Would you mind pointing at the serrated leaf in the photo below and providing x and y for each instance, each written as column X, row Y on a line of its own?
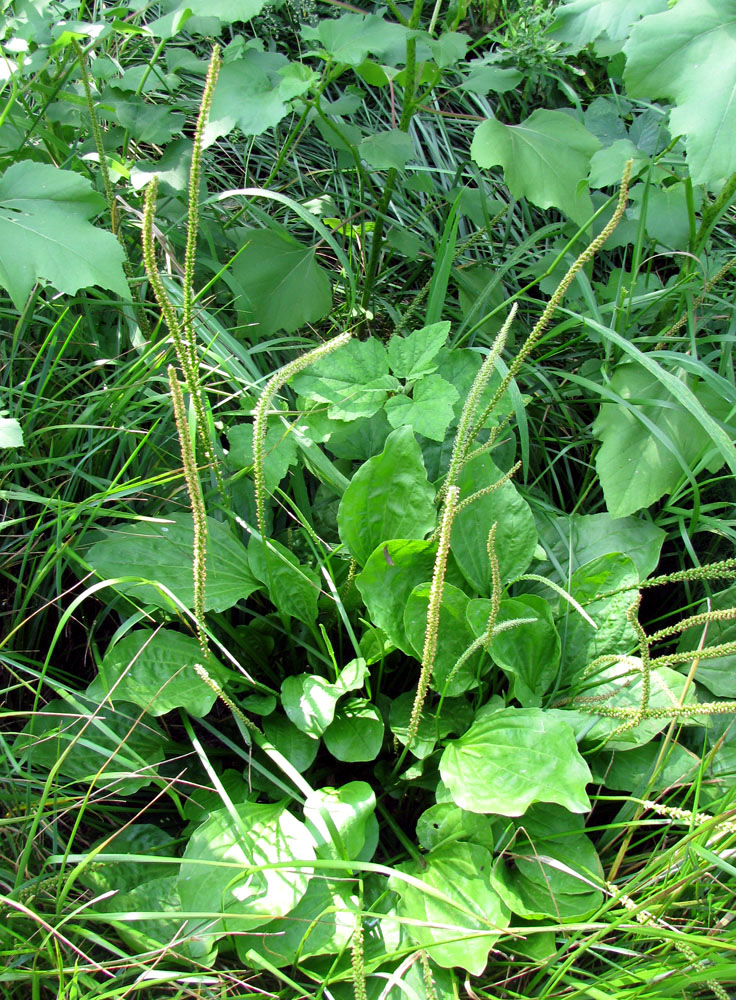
column 354, row 380
column 45, row 233
column 413, row 356
column 285, row 286
column 666, row 57
column 388, row 497
column 384, row 150
column 155, row 670
column 249, row 95
column 545, row 159
column 162, row 551
column 607, row 165
column 149, row 123
column 515, row 757
column 429, row 412
column 483, row 78
column 461, row 921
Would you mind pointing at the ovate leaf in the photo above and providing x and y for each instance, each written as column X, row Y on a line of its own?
column 283, row 285
column 516, row 535
column 459, row 922
column 155, row 670
column 162, row 551
column 356, row 732
column 309, row 701
column 292, row 587
column 216, row 875
column 544, row 159
column 45, row 233
column 388, row 497
column 390, row 574
column 650, row 441
column 509, row 759
column 339, row 819
column 676, row 55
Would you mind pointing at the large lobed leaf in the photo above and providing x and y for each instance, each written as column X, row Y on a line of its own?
column 687, row 55
column 45, row 233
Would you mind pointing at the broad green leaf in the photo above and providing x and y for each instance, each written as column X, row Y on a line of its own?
column 544, row 159
column 249, row 95
column 607, row 165
column 162, row 551
column 354, row 380
column 216, row 875
column 392, row 571
column 384, row 150
column 298, row 748
column 608, row 23
column 638, row 770
column 148, row 123
column 351, row 38
column 280, row 448
column 283, row 286
column 444, row 823
column 430, row 410
column 46, row 233
column 548, row 868
column 650, row 441
column 322, row 923
column 141, row 839
column 516, row 535
column 292, row 587
column 356, row 732
column 172, row 169
column 310, row 702
column 226, row 10
column 575, row 539
column 449, row 48
column 350, row 810
column 483, row 78
column 619, row 686
column 459, row 923
column 110, row 747
column 204, row 801
column 676, row 55
column 453, row 639
column 515, row 757
column 155, row 670
column 413, row 356
column 528, row 653
column 718, row 674
column 388, row 497
column 667, row 217
column 11, row 435
column 613, row 635
column 357, row 440
column 399, row 717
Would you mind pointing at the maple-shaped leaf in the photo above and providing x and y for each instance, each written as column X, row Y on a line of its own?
column 45, row 233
